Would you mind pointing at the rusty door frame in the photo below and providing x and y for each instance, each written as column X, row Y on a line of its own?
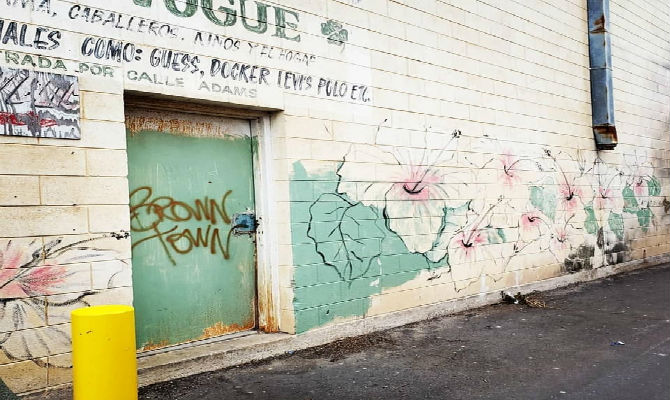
column 267, row 244
column 267, row 249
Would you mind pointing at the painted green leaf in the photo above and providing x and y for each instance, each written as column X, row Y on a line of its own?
column 644, row 216
column 346, row 234
column 654, row 186
column 495, row 235
column 591, row 223
column 501, row 234
column 615, row 222
column 630, row 204
column 544, row 200
column 335, row 32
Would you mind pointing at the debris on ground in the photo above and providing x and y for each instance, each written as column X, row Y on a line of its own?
column 532, row 299
column 617, row 343
column 341, row 348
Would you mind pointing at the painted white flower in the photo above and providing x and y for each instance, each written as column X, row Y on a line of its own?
column 639, row 173
column 33, row 282
column 412, row 188
column 607, row 190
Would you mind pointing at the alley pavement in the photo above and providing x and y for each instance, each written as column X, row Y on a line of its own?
column 608, row 339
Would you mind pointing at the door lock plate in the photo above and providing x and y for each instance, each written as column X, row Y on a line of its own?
column 244, row 223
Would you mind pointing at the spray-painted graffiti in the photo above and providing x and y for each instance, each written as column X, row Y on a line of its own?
column 466, row 212
column 39, row 280
column 38, row 104
column 159, row 218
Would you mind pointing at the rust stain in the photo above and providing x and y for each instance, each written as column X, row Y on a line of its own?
column 599, row 25
column 153, row 346
column 220, row 329
column 606, row 136
column 267, row 321
column 191, row 125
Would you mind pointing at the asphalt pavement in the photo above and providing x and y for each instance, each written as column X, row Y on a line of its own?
column 607, row 339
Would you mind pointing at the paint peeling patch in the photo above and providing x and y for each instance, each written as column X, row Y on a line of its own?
column 220, row 329
column 579, row 259
column 153, row 346
column 190, row 125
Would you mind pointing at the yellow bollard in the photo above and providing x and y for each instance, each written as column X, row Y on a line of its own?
column 104, row 364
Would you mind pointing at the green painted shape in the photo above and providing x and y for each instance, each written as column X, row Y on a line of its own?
column 654, row 186
column 375, row 257
column 348, row 234
column 495, row 235
column 615, row 222
column 591, row 223
column 501, row 234
column 177, row 296
column 544, row 200
column 644, row 217
column 189, row 8
column 630, row 204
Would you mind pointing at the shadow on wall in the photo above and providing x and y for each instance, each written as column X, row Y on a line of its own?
column 463, row 208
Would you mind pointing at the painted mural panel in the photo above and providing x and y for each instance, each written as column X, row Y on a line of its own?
column 41, row 282
column 39, row 104
column 189, row 176
column 468, row 212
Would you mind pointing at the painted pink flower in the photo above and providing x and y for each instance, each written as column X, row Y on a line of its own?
column 17, row 282
column 412, row 188
column 603, row 198
column 464, row 246
column 559, row 240
column 530, row 220
column 417, row 184
column 640, row 187
column 29, row 282
column 509, row 174
column 570, row 196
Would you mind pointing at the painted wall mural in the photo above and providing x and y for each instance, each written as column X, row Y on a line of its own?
column 38, row 104
column 467, row 209
column 40, row 285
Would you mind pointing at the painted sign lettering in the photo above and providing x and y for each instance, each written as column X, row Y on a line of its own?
column 256, row 22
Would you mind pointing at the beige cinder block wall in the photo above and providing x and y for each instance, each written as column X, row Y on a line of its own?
column 422, row 151
column 487, row 106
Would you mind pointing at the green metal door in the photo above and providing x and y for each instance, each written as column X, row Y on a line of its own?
column 191, row 183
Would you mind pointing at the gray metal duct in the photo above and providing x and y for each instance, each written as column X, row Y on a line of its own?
column 600, row 64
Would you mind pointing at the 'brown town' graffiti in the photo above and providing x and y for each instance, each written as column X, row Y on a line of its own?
column 162, row 217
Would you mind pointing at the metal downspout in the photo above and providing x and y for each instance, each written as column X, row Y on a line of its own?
column 600, row 65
